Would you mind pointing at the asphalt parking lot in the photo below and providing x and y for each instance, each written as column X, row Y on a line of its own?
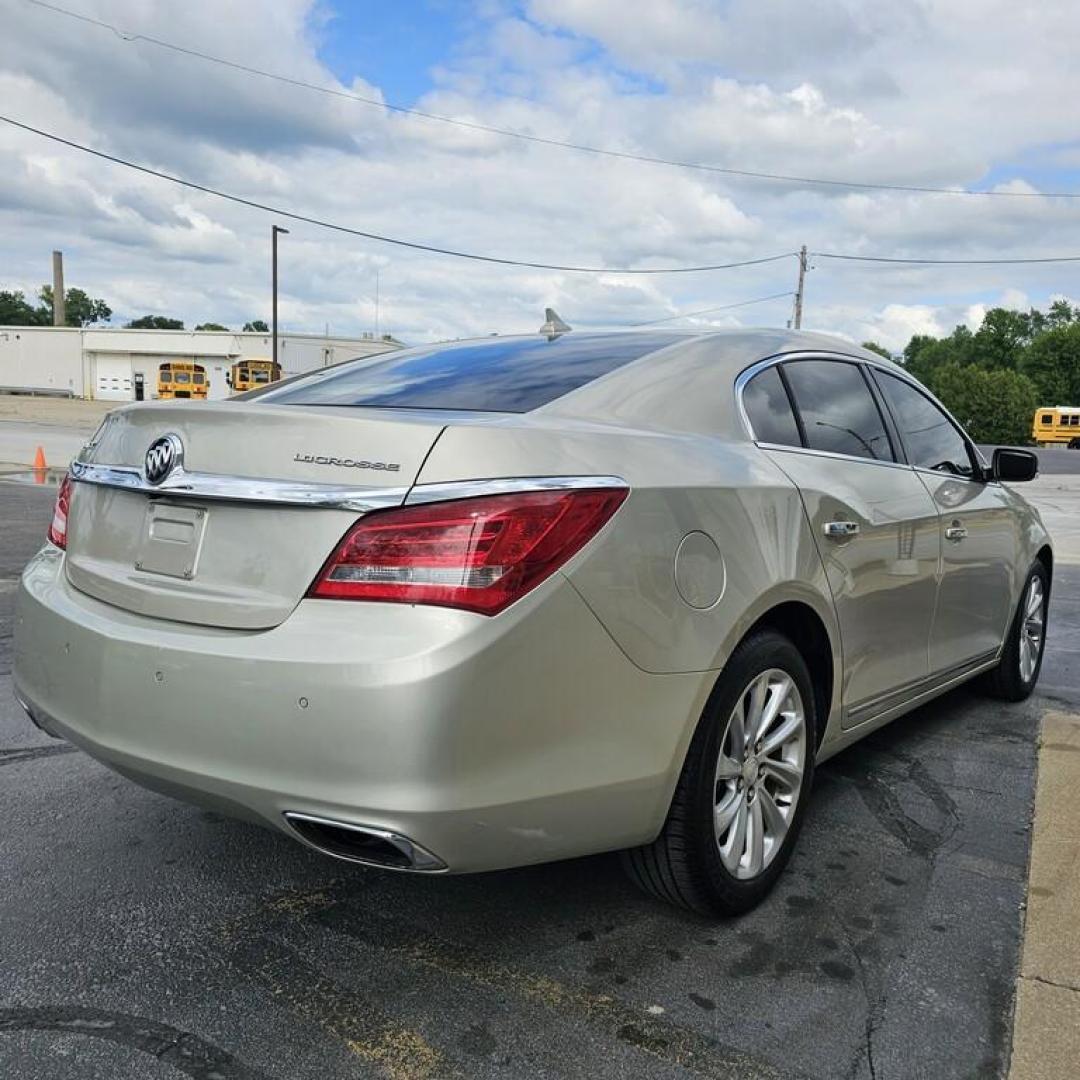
column 142, row 938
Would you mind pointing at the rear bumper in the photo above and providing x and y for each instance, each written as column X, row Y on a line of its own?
column 489, row 742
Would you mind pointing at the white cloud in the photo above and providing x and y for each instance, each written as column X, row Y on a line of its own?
column 919, row 91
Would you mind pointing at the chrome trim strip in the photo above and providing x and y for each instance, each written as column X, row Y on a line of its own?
column 420, row 858
column 839, row 457
column 241, row 488
column 758, row 366
column 38, row 717
column 899, row 373
column 468, row 489
column 913, row 692
column 941, row 474
column 813, row 354
column 302, row 493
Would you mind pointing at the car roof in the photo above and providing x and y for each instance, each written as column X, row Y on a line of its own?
column 688, row 384
column 669, row 379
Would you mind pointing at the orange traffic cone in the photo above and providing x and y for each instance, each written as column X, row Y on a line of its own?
column 40, row 468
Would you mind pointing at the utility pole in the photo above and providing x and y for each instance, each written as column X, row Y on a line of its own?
column 59, row 315
column 799, row 290
column 376, row 303
column 274, row 230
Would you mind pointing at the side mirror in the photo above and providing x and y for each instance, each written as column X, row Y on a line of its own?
column 1013, row 466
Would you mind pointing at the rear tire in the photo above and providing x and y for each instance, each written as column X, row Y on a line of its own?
column 1021, row 659
column 741, row 798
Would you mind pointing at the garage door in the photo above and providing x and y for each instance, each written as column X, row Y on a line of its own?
column 112, row 377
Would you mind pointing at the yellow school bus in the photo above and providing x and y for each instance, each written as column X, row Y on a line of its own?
column 182, row 379
column 247, row 374
column 1057, row 425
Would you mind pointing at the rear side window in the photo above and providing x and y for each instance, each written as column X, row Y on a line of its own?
column 931, row 439
column 1048, row 418
column 501, row 375
column 838, row 410
column 769, row 410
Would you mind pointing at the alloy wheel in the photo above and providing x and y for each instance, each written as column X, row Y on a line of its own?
column 1032, row 628
column 759, row 773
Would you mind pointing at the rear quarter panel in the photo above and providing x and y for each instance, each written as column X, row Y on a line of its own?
column 679, row 485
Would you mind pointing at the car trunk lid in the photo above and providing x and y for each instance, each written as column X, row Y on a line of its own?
column 235, row 535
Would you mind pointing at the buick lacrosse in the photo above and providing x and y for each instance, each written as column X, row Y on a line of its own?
column 491, row 603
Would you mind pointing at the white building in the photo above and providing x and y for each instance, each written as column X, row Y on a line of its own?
column 121, row 365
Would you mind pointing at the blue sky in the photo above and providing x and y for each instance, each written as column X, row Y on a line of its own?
column 916, row 92
column 395, row 46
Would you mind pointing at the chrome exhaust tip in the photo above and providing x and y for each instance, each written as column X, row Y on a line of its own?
column 362, row 843
column 39, row 719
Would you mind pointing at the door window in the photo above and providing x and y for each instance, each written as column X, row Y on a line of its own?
column 838, row 410
column 768, row 409
column 931, row 439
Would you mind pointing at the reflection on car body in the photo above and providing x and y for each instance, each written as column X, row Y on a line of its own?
column 616, row 591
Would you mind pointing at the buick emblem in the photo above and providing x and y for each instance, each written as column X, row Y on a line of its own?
column 164, row 457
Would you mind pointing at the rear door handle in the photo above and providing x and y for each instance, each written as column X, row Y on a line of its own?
column 955, row 532
column 840, row 530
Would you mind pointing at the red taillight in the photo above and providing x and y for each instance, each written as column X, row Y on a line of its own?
column 479, row 554
column 57, row 533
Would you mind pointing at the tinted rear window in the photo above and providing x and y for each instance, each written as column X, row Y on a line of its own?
column 838, row 411
column 769, row 411
column 501, row 375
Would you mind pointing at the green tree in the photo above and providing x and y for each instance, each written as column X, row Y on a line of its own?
column 257, row 326
column 1001, row 338
column 1060, row 314
column 16, row 310
column 79, row 309
column 211, row 326
column 924, row 353
column 1052, row 362
column 155, row 322
column 873, row 346
column 994, row 406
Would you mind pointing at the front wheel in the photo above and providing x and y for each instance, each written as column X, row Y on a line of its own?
column 1021, row 659
column 742, row 794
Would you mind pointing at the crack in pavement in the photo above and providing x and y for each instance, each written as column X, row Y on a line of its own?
column 187, row 1053
column 30, row 753
column 1051, row 982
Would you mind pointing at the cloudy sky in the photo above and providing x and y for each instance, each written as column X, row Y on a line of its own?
column 949, row 93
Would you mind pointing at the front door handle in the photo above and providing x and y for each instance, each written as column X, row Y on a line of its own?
column 955, row 532
column 841, row 530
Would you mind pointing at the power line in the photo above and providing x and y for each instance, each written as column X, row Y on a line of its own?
column 944, row 262
column 562, row 144
column 417, row 246
column 710, row 311
column 414, row 245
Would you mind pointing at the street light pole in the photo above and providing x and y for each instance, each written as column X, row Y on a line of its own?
column 274, row 230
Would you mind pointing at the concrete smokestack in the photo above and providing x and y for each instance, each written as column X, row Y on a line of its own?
column 58, row 289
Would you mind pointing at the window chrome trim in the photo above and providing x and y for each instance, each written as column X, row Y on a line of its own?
column 837, row 457
column 901, row 375
column 470, row 489
column 941, row 474
column 759, row 366
column 300, row 493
